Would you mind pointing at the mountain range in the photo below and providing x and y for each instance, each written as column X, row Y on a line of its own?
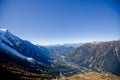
column 56, row 60
column 101, row 57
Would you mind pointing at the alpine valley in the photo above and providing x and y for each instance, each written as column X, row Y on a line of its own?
column 22, row 60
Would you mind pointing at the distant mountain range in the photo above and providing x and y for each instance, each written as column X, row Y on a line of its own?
column 68, row 59
column 61, row 49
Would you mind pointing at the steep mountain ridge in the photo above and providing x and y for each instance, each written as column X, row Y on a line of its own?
column 25, row 48
column 101, row 57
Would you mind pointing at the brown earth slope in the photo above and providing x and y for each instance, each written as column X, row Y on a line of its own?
column 92, row 76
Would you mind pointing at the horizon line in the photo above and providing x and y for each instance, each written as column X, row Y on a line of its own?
column 65, row 43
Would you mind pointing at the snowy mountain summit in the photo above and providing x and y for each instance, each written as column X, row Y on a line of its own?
column 3, row 30
column 5, row 35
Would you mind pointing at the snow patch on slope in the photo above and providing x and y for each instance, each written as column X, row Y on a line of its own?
column 30, row 60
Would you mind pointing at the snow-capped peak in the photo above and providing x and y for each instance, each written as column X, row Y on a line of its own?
column 3, row 36
column 3, row 30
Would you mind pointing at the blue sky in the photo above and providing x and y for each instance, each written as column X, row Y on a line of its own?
column 61, row 21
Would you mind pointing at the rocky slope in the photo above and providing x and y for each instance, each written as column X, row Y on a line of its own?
column 101, row 57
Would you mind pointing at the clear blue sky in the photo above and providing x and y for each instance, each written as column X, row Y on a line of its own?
column 61, row 21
